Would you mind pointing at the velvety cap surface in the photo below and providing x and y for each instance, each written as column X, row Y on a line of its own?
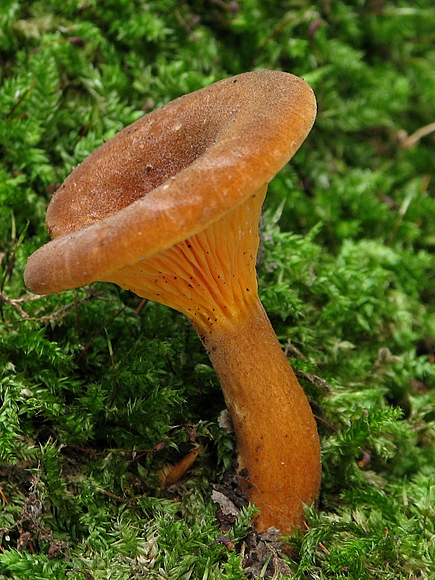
column 169, row 175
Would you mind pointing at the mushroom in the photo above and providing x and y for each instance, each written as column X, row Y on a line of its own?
column 169, row 209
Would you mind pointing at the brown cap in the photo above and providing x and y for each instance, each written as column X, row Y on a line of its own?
column 169, row 175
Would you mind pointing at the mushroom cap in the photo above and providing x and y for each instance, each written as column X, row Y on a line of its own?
column 169, row 175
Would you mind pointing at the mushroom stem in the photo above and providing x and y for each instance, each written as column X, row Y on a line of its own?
column 277, row 440
column 210, row 277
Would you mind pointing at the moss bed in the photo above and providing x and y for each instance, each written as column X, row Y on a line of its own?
column 100, row 392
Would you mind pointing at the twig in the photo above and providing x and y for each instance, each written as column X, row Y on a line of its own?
column 290, row 347
column 58, row 313
column 113, row 496
column 15, row 304
column 21, row 99
column 409, row 141
column 4, row 498
column 314, row 380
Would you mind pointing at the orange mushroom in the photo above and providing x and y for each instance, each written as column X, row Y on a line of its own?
column 169, row 208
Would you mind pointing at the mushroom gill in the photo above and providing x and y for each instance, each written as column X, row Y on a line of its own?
column 210, row 277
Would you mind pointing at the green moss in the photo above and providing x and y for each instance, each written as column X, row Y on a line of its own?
column 99, row 391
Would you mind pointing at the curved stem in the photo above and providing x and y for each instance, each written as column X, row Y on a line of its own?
column 210, row 277
column 277, row 440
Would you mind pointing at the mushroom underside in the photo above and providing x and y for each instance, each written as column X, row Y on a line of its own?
column 210, row 277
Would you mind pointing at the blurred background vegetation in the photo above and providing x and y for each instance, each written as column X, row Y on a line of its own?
column 98, row 390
